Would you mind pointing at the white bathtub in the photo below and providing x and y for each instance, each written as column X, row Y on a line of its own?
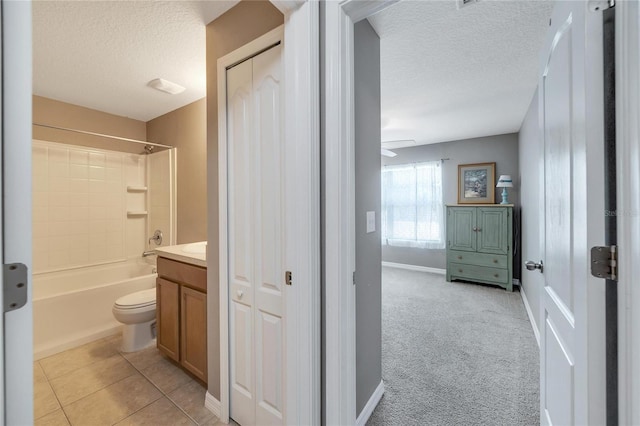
column 71, row 308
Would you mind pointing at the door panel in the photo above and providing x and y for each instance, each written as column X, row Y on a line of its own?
column 492, row 230
column 460, row 231
column 571, row 116
column 269, row 298
column 241, row 207
column 193, row 320
column 168, row 318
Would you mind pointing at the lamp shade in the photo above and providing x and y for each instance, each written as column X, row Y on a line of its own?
column 505, row 182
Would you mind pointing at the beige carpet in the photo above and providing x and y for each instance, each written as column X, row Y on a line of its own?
column 455, row 354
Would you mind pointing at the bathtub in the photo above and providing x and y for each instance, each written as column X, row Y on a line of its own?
column 73, row 307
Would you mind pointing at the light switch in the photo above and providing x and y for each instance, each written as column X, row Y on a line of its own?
column 371, row 222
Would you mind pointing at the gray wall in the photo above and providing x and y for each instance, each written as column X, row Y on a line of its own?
column 367, row 181
column 501, row 149
column 529, row 142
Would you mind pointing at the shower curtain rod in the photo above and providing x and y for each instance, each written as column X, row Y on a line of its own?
column 84, row 132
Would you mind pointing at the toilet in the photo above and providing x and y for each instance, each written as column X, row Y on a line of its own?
column 137, row 311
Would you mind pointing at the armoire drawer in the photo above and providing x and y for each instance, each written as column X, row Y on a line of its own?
column 481, row 273
column 479, row 259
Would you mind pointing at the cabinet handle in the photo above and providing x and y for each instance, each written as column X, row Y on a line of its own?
column 240, row 294
column 474, row 229
column 460, row 257
column 496, row 275
column 495, row 260
column 479, row 229
column 460, row 270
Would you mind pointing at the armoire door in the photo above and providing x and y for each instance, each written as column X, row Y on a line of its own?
column 492, row 230
column 256, row 239
column 461, row 223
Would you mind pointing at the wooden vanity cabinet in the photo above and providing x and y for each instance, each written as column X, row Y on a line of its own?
column 181, row 314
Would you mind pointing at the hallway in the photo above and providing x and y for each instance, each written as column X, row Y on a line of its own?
column 455, row 353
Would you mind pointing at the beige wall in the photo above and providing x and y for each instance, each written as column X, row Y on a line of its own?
column 243, row 23
column 186, row 129
column 62, row 114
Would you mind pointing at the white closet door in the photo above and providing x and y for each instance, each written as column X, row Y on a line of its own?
column 269, row 303
column 256, row 240
column 241, row 155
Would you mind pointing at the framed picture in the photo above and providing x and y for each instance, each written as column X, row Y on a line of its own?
column 476, row 183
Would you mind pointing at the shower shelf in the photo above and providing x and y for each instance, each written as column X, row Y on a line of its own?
column 136, row 189
column 137, row 213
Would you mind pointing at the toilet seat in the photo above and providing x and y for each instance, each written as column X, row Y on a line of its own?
column 137, row 300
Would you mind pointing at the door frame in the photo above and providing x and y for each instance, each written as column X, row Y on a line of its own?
column 627, row 39
column 301, row 55
column 339, row 241
column 339, row 206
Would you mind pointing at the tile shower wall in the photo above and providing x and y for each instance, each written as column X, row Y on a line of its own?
column 80, row 206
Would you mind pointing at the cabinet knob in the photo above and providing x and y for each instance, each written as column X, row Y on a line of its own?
column 496, row 275
column 495, row 260
column 240, row 294
column 474, row 229
column 460, row 270
column 460, row 257
column 479, row 229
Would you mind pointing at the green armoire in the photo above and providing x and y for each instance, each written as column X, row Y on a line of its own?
column 480, row 244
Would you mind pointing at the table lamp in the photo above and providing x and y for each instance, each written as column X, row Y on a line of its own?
column 504, row 182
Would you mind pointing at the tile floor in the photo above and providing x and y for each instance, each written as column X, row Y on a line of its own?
column 96, row 384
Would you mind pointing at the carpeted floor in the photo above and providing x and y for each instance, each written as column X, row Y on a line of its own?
column 455, row 354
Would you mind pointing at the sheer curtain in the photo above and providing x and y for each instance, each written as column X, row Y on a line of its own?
column 412, row 210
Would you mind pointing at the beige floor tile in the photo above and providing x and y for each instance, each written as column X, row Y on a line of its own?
column 190, row 398
column 166, row 376
column 38, row 374
column 160, row 413
column 144, row 358
column 44, row 400
column 113, row 403
column 73, row 359
column 86, row 380
column 57, row 418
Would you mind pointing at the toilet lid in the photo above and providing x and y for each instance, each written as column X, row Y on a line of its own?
column 138, row 299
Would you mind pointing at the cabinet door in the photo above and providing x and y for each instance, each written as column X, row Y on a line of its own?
column 168, row 317
column 461, row 222
column 493, row 232
column 193, row 321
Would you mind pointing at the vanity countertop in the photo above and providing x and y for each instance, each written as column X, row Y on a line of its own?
column 192, row 253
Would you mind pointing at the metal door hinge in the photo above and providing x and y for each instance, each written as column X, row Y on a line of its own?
column 354, row 278
column 14, row 280
column 604, row 262
column 288, row 276
column 598, row 5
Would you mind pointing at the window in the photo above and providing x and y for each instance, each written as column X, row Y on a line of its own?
column 412, row 211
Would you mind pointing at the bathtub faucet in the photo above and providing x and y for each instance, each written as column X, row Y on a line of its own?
column 148, row 253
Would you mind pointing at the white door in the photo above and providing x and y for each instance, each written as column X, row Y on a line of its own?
column 256, row 239
column 15, row 230
column 572, row 341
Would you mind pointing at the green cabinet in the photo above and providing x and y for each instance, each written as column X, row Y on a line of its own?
column 480, row 244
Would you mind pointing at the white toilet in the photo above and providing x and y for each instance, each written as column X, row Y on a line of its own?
column 137, row 311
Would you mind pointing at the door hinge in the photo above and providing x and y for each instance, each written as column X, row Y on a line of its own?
column 288, row 277
column 14, row 281
column 354, row 277
column 598, row 5
column 604, row 262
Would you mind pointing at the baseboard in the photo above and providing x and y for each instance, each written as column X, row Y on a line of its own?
column 532, row 319
column 371, row 405
column 415, row 268
column 212, row 404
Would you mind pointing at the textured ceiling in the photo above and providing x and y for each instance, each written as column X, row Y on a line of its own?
column 102, row 54
column 450, row 74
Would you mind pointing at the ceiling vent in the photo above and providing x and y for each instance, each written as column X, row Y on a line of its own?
column 398, row 144
column 462, row 3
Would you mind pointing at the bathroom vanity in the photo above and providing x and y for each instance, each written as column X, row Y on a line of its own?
column 181, row 306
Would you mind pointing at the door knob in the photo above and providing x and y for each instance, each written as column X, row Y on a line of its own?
column 532, row 266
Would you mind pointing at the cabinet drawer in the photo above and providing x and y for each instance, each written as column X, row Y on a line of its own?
column 189, row 275
column 479, row 259
column 481, row 273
